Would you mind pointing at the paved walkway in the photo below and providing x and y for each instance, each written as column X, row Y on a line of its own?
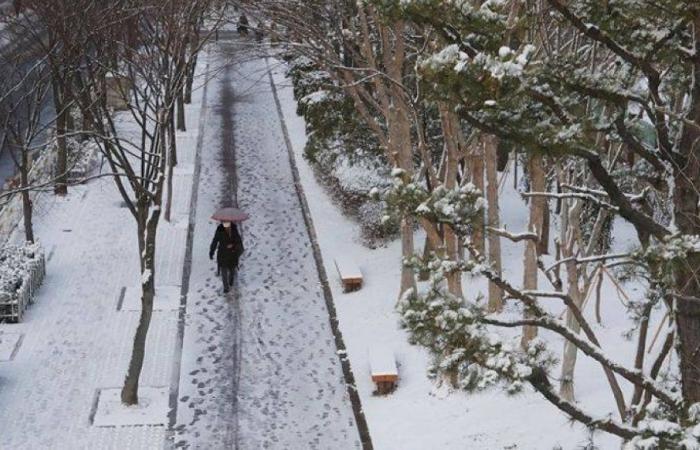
column 260, row 369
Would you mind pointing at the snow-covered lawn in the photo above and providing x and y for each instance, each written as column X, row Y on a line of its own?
column 75, row 342
column 421, row 414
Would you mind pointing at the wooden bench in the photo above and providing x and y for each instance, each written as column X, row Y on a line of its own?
column 383, row 369
column 350, row 275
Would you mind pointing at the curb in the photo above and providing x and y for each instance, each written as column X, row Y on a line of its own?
column 360, row 419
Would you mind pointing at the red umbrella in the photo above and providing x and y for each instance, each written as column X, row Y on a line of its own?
column 230, row 214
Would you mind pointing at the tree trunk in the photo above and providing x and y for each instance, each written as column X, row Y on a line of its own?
column 454, row 278
column 502, row 158
column 86, row 125
column 687, row 278
column 181, row 112
column 476, row 164
column 61, row 186
column 686, row 210
column 408, row 279
column 641, row 350
column 189, row 80
column 70, row 121
column 450, row 130
column 543, row 243
column 169, row 198
column 147, row 223
column 536, row 174
column 399, row 128
column 568, row 361
column 566, row 384
column 494, row 240
column 172, row 162
column 129, row 394
column 26, row 199
column 688, row 324
column 401, row 133
column 424, row 274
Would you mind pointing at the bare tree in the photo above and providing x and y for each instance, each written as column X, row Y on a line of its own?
column 40, row 28
column 144, row 60
column 25, row 89
column 490, row 143
column 536, row 177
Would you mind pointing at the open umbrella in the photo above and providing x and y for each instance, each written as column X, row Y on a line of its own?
column 230, row 214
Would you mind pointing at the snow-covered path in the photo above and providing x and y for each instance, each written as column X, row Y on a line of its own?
column 260, row 368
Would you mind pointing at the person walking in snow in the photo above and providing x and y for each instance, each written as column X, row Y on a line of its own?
column 228, row 245
column 242, row 25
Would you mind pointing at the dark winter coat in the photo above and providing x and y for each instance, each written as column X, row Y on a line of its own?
column 229, row 245
column 242, row 24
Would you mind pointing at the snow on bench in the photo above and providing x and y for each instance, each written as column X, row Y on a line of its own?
column 350, row 274
column 382, row 365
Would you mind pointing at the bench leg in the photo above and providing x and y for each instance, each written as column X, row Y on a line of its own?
column 351, row 287
column 385, row 387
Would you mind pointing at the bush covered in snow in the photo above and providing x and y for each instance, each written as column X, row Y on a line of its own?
column 22, row 270
column 341, row 148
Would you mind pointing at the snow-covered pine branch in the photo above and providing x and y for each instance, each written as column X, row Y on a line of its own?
column 515, row 237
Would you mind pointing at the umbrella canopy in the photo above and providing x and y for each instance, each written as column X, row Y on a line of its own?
column 230, row 214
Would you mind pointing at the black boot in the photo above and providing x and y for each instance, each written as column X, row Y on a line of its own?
column 225, row 278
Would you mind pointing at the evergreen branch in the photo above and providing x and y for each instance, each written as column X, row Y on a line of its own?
column 544, row 320
column 514, row 237
column 645, row 225
column 539, row 381
column 587, row 259
column 579, row 195
column 634, row 198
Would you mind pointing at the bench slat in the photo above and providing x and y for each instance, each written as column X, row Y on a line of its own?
column 382, row 363
column 348, row 270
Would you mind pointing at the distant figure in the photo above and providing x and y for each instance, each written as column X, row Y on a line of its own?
column 274, row 38
column 243, row 24
column 17, row 4
column 230, row 247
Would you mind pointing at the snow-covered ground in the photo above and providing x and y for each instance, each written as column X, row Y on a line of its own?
column 77, row 336
column 258, row 368
column 420, row 414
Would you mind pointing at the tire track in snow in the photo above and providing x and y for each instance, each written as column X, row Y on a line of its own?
column 229, row 195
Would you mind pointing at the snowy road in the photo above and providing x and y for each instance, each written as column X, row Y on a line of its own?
column 260, row 368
